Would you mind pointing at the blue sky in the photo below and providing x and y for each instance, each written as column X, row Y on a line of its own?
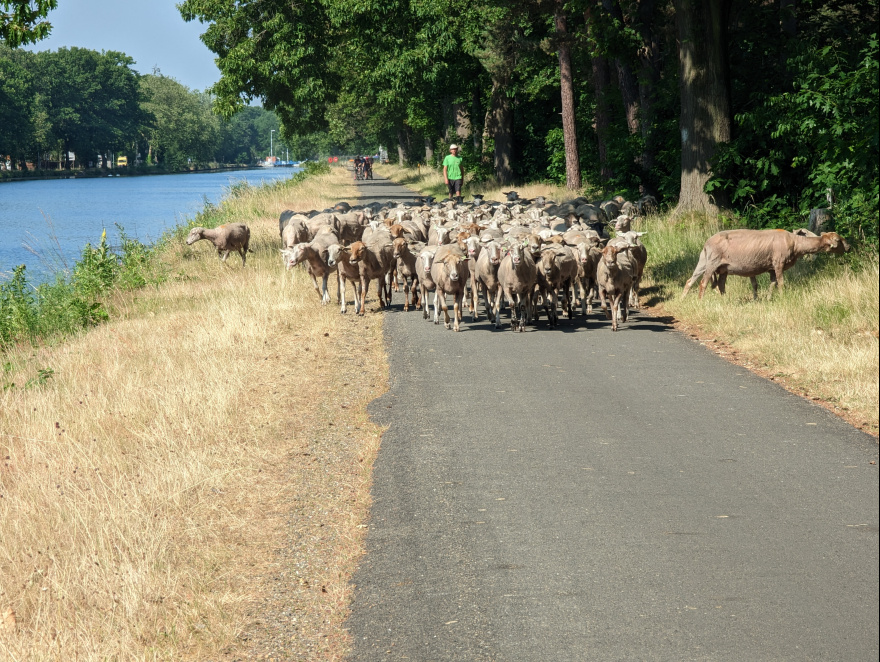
column 149, row 31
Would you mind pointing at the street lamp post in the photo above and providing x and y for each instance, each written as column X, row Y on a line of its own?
column 271, row 144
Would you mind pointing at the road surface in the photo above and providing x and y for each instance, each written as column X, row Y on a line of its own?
column 580, row 494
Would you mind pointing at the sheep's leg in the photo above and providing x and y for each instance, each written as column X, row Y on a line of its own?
column 615, row 311
column 325, row 295
column 315, row 284
column 223, row 255
column 497, row 306
column 605, row 310
column 754, row 280
column 243, row 253
column 365, row 287
column 457, row 304
column 357, row 296
column 706, row 277
column 780, row 279
column 475, row 300
column 624, row 305
column 405, row 294
column 424, row 300
column 341, row 285
column 436, row 305
column 445, row 310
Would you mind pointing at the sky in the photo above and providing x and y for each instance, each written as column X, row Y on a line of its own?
column 151, row 32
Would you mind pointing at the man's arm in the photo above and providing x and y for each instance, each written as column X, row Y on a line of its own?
column 446, row 175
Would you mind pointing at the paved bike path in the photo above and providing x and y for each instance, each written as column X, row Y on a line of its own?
column 579, row 494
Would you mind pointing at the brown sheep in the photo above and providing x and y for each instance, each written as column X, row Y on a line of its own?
column 750, row 253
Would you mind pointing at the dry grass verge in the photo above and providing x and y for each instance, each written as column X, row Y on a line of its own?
column 191, row 481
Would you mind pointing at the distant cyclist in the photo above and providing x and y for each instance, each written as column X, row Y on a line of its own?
column 368, row 167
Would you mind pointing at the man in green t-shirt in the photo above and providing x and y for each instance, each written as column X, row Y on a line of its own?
column 453, row 173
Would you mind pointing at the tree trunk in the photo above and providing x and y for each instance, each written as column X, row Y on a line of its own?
column 601, row 78
column 476, row 107
column 649, row 79
column 429, row 151
column 788, row 18
column 401, row 147
column 500, row 126
column 705, row 96
column 569, row 125
column 462, row 122
column 629, row 89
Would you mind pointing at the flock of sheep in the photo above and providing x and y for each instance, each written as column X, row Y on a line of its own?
column 531, row 254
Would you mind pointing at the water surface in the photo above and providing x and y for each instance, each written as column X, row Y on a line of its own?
column 56, row 218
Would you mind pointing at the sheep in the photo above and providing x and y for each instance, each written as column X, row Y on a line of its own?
column 471, row 246
column 589, row 254
column 339, row 256
column 370, row 267
column 485, row 275
column 516, row 276
column 426, row 282
column 316, row 254
column 753, row 252
column 226, row 238
column 294, row 232
column 557, row 269
column 449, row 271
column 640, row 254
column 406, row 267
column 614, row 275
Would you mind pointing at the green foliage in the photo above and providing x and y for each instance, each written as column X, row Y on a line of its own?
column 65, row 306
column 21, row 21
column 815, row 129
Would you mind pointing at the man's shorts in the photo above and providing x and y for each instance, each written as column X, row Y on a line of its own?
column 454, row 188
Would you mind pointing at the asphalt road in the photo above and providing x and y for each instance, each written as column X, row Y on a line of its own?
column 579, row 494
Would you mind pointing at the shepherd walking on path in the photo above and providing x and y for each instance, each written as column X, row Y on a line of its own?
column 453, row 173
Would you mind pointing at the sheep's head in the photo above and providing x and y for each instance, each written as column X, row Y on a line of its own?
column 834, row 243
column 357, row 250
column 194, row 235
column 610, row 252
column 427, row 258
column 534, row 244
column 293, row 256
column 494, row 252
column 396, row 230
column 399, row 245
column 548, row 261
column 515, row 251
column 472, row 245
column 622, row 223
column 333, row 254
column 632, row 237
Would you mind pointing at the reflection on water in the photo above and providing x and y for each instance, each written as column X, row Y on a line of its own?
column 57, row 218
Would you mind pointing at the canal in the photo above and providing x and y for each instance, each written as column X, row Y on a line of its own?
column 45, row 224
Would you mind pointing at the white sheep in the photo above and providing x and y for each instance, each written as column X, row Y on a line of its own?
column 226, row 238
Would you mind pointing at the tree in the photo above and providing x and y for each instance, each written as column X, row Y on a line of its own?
column 705, row 96
column 569, row 127
column 91, row 98
column 183, row 129
column 274, row 50
column 21, row 21
column 16, row 105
